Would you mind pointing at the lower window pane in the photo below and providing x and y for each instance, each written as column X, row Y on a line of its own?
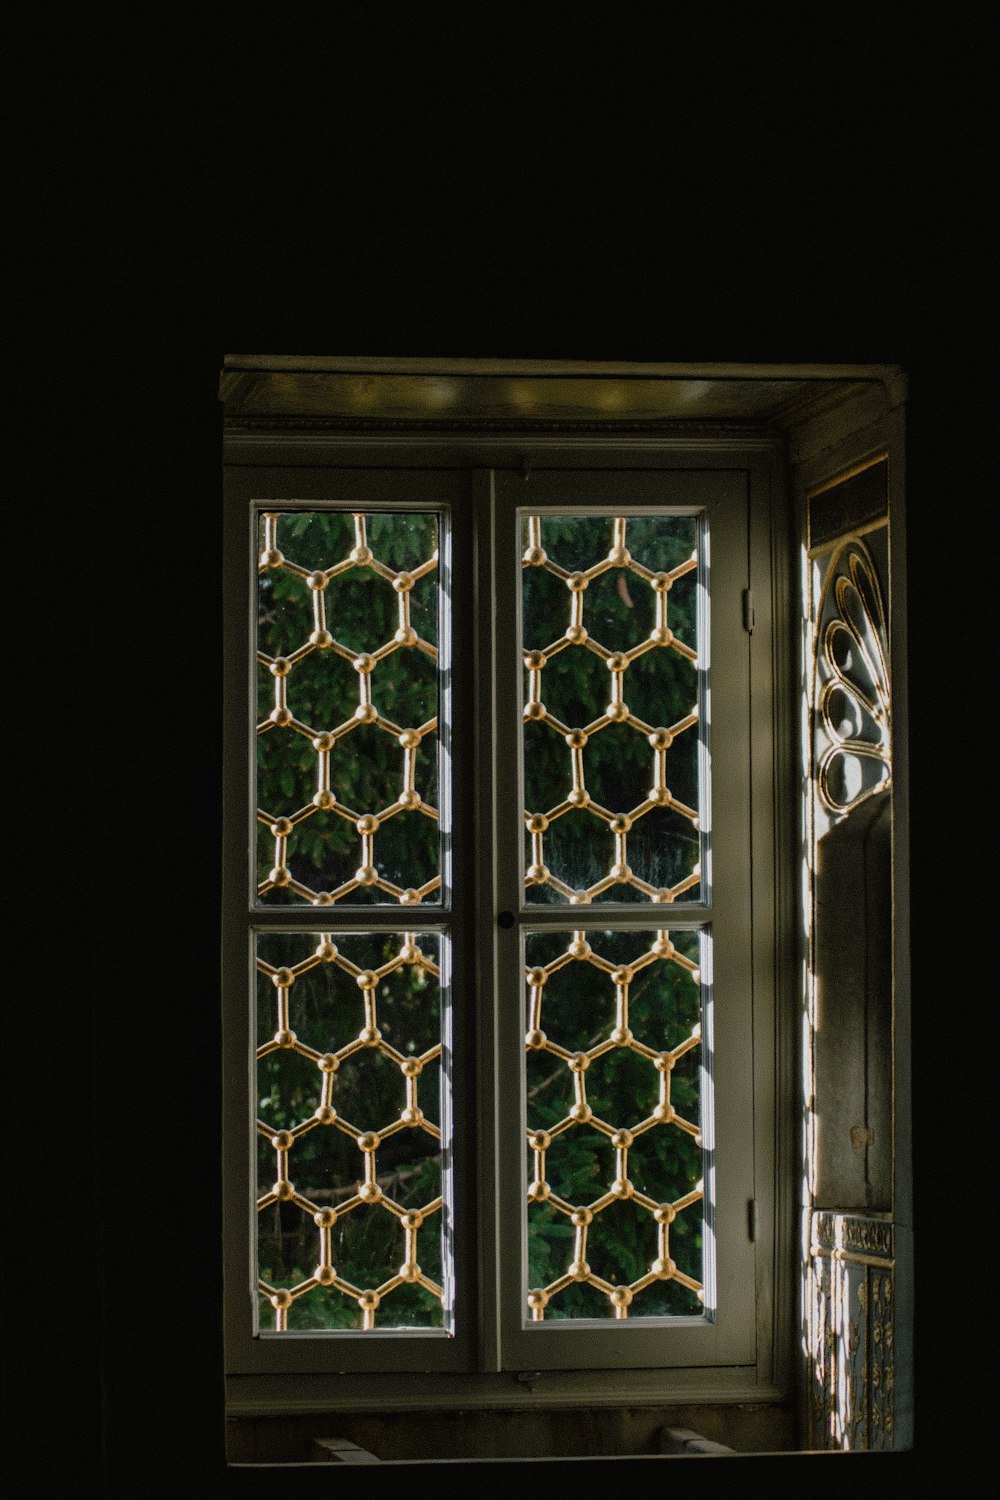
column 614, row 1098
column 352, row 1115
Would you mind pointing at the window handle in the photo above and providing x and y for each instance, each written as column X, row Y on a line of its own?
column 505, row 919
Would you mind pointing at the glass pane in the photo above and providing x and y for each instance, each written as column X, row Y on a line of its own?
column 614, row 1102
column 610, row 739
column 347, row 711
column 352, row 1131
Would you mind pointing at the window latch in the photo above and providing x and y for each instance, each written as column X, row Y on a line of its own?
column 748, row 615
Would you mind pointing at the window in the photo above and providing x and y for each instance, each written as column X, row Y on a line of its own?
column 501, row 923
column 514, row 966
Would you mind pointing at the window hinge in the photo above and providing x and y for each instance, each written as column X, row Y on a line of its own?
column 752, row 1219
column 748, row 617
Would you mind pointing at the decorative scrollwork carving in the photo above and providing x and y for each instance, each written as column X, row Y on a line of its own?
column 852, row 683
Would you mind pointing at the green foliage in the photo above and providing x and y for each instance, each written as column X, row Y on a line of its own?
column 327, row 1008
column 622, row 1088
column 366, row 764
column 660, row 687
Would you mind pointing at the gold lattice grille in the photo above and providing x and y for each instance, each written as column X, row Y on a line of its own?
column 361, row 1196
column 625, row 1181
column 327, row 765
column 669, row 692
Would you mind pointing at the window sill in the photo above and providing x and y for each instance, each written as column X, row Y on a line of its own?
column 271, row 1395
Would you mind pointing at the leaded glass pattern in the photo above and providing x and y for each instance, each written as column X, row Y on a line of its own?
column 348, row 704
column 351, row 1092
column 612, row 785
column 614, row 1103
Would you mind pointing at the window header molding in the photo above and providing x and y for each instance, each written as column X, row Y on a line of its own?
column 287, row 391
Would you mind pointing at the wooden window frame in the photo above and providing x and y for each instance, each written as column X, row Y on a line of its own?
column 342, row 1370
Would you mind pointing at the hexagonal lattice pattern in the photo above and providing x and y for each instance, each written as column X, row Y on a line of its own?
column 341, row 1161
column 597, row 999
column 578, row 637
column 288, row 822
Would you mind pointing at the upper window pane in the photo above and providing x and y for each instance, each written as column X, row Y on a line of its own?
column 610, row 631
column 348, row 625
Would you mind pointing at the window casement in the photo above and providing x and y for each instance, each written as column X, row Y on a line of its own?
column 516, row 903
column 452, row 905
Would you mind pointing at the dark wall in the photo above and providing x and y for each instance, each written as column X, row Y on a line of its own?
column 810, row 237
